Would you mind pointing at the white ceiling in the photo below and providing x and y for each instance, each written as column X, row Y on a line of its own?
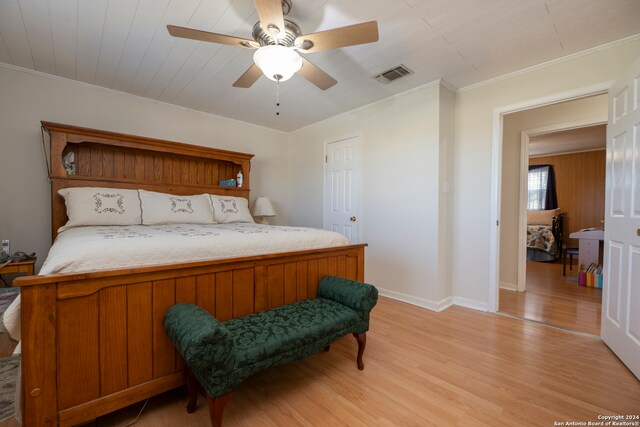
column 124, row 45
column 569, row 141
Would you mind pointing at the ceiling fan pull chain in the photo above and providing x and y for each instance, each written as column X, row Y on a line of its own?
column 277, row 97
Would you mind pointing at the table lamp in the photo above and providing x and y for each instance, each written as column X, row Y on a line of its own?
column 262, row 209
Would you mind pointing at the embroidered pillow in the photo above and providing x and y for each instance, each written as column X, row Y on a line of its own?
column 228, row 209
column 101, row 206
column 161, row 208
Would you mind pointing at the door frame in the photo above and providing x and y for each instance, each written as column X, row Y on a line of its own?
column 496, row 172
column 360, row 215
column 525, row 136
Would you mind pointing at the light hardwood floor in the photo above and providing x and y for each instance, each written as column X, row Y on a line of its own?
column 458, row 367
column 551, row 298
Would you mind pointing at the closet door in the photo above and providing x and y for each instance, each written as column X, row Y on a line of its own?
column 342, row 181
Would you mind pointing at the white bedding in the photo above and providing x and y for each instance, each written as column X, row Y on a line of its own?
column 83, row 249
column 93, row 248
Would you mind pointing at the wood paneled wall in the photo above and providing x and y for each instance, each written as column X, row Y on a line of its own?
column 580, row 182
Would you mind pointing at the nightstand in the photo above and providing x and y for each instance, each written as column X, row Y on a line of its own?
column 26, row 267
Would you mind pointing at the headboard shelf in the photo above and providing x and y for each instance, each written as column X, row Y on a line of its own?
column 84, row 181
column 76, row 135
column 126, row 164
column 115, row 160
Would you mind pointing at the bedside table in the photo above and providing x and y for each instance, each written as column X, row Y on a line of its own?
column 18, row 267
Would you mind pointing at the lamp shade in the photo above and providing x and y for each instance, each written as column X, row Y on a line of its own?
column 263, row 207
column 277, row 62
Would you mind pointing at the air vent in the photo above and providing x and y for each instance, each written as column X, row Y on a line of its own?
column 393, row 74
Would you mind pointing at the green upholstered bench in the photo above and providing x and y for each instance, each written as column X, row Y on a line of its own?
column 221, row 355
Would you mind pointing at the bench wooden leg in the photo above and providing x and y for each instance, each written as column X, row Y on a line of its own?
column 216, row 408
column 362, row 342
column 192, row 392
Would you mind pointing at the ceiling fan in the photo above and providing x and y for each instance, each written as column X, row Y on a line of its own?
column 279, row 41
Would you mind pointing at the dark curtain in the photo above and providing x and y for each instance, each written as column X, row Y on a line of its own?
column 551, row 199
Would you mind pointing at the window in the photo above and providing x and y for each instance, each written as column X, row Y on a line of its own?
column 537, row 188
column 542, row 188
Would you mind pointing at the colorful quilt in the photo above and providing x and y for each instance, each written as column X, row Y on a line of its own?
column 541, row 237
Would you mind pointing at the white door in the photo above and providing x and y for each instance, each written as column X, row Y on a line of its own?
column 621, row 289
column 342, row 188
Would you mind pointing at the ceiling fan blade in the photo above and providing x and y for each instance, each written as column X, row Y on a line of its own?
column 249, row 77
column 205, row 36
column 316, row 76
column 270, row 14
column 351, row 35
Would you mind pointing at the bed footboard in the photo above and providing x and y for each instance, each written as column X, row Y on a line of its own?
column 93, row 343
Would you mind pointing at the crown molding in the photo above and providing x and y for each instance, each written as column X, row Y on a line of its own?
column 382, row 101
column 560, row 60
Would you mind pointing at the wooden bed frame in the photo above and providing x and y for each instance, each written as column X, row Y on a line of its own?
column 94, row 342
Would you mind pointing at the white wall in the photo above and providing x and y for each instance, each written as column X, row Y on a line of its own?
column 445, row 264
column 401, row 176
column 473, row 145
column 26, row 98
column 591, row 108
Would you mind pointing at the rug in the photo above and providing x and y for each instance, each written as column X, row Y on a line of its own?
column 8, row 373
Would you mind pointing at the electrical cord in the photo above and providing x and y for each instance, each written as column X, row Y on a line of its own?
column 139, row 413
column 44, row 150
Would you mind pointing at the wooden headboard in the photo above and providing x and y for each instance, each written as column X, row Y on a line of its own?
column 115, row 160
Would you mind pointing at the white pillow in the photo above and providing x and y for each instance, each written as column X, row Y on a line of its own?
column 228, row 209
column 161, row 208
column 542, row 217
column 101, row 206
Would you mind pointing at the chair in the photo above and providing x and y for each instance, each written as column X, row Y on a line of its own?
column 570, row 252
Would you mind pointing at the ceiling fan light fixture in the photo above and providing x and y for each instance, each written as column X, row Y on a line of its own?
column 278, row 41
column 277, row 62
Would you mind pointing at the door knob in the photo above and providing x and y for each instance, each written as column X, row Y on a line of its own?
column 353, row 219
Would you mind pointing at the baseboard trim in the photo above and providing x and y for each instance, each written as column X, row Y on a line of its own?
column 470, row 303
column 435, row 305
column 417, row 301
column 508, row 286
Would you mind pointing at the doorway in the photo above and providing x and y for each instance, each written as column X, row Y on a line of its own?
column 568, row 138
